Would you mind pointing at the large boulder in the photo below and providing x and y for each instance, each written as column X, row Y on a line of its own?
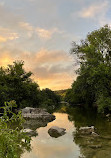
column 55, row 131
column 37, row 113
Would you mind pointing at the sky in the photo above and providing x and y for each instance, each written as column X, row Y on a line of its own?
column 40, row 32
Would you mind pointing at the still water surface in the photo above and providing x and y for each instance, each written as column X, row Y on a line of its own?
column 71, row 145
column 44, row 146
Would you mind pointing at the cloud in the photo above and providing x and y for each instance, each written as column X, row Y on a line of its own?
column 51, row 56
column 6, row 34
column 5, row 59
column 14, row 23
column 8, row 18
column 26, row 26
column 52, row 69
column 94, row 10
column 46, row 34
column 20, row 38
column 97, row 11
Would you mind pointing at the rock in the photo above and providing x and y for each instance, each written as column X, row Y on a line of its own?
column 108, row 115
column 95, row 146
column 86, row 130
column 55, row 131
column 30, row 132
column 94, row 134
column 37, row 113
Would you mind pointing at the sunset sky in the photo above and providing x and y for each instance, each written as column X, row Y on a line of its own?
column 40, row 33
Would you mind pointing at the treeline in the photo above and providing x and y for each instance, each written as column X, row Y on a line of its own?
column 61, row 93
column 93, row 84
column 16, row 84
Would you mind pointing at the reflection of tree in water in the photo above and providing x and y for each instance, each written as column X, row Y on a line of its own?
column 90, row 146
column 82, row 117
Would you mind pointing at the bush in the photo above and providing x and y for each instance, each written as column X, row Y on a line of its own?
column 11, row 140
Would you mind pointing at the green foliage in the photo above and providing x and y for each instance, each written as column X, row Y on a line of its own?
column 61, row 93
column 11, row 140
column 93, row 84
column 16, row 84
column 104, row 104
column 49, row 99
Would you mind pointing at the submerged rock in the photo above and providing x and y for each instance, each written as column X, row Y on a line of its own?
column 37, row 113
column 56, row 132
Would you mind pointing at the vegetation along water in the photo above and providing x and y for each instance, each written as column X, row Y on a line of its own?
column 84, row 110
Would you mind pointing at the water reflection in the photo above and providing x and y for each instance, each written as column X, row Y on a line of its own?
column 72, row 145
column 92, row 147
column 44, row 146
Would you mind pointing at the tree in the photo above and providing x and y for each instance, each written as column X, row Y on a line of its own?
column 93, row 84
column 49, row 99
column 16, row 84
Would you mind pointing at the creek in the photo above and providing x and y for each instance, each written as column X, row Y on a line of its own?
column 72, row 145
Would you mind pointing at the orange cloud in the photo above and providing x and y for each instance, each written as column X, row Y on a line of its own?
column 45, row 56
column 6, row 34
column 51, row 69
column 3, row 39
column 5, row 59
column 56, row 82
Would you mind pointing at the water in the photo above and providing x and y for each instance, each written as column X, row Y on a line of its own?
column 71, row 145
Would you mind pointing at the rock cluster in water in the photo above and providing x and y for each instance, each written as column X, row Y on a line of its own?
column 86, row 130
column 88, row 137
column 37, row 113
column 35, row 118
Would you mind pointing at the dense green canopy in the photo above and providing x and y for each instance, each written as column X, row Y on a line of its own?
column 16, row 84
column 93, row 84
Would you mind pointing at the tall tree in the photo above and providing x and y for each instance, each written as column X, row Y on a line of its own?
column 93, row 84
column 16, row 84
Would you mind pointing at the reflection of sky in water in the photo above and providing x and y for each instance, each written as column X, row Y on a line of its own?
column 44, row 146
